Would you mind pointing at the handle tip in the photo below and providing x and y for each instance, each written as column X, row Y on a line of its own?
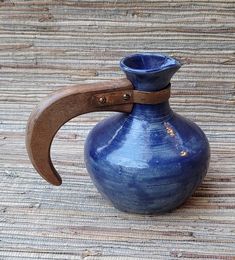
column 56, row 182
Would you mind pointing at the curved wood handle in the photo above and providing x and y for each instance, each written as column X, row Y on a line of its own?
column 64, row 105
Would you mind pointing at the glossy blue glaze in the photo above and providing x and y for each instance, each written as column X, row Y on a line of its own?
column 151, row 160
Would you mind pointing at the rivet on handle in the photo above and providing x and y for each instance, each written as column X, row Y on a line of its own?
column 102, row 100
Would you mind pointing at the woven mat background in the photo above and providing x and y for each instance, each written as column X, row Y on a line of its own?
column 45, row 45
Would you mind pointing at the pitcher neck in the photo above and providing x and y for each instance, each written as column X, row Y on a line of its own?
column 150, row 72
column 152, row 113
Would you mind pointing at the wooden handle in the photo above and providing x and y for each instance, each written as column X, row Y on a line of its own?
column 64, row 105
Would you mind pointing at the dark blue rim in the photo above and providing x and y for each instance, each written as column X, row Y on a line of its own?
column 175, row 63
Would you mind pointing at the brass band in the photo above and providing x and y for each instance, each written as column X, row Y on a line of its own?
column 119, row 97
column 152, row 98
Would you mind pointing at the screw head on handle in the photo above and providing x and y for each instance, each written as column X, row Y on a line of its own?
column 126, row 97
column 102, row 100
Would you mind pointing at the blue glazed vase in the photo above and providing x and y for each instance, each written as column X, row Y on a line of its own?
column 150, row 160
column 146, row 159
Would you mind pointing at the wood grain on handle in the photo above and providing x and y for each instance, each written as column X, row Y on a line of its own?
column 60, row 107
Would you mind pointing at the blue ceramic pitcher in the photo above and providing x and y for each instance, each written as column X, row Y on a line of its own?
column 146, row 159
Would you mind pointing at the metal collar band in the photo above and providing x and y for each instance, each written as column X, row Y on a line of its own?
column 133, row 96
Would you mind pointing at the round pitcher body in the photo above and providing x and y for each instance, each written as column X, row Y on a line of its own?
column 149, row 161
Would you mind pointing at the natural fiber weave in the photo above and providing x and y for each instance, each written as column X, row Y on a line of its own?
column 45, row 45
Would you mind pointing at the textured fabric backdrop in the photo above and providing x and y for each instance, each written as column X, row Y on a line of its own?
column 45, row 45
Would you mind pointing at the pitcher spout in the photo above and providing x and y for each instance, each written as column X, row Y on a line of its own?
column 149, row 71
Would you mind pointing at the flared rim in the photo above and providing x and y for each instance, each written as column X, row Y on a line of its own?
column 142, row 63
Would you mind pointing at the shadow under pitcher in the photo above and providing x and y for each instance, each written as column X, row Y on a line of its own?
column 145, row 159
